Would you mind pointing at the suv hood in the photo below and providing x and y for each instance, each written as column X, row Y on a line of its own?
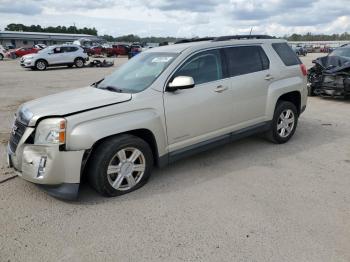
column 69, row 102
column 30, row 56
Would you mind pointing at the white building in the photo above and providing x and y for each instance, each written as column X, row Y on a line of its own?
column 27, row 39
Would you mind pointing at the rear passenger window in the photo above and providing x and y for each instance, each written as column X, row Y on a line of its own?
column 286, row 54
column 70, row 49
column 203, row 67
column 246, row 59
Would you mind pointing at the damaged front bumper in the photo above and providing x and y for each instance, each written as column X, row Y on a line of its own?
column 334, row 85
column 58, row 172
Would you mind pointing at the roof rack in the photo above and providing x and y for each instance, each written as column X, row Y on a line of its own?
column 242, row 37
column 194, row 40
column 224, row 38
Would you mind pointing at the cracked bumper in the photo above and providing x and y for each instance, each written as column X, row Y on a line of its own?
column 58, row 172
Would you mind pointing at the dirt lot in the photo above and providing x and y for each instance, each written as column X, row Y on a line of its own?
column 247, row 201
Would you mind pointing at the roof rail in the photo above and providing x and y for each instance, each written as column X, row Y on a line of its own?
column 241, row 37
column 194, row 40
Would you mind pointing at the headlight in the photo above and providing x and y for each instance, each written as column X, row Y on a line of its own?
column 51, row 131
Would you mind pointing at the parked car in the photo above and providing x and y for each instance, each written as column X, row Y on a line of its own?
column 23, row 51
column 134, row 50
column 2, row 52
column 330, row 74
column 40, row 46
column 94, row 50
column 164, row 104
column 116, row 50
column 300, row 50
column 57, row 55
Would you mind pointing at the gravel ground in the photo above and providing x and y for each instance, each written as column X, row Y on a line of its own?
column 247, row 201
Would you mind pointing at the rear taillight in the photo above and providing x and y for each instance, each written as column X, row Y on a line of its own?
column 303, row 69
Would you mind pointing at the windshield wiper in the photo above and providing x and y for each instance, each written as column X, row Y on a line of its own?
column 112, row 88
column 97, row 83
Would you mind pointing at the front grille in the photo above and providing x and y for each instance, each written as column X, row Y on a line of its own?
column 16, row 135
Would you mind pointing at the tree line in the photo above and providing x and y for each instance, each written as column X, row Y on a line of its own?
column 131, row 38
column 318, row 37
column 51, row 29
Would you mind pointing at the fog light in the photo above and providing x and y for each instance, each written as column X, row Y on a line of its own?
column 42, row 165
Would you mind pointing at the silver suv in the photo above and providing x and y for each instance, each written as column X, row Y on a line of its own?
column 58, row 55
column 164, row 104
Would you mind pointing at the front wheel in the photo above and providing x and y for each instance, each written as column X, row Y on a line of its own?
column 41, row 65
column 284, row 123
column 120, row 165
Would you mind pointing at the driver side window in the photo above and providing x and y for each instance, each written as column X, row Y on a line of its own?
column 203, row 67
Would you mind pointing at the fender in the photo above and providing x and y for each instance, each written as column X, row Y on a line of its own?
column 82, row 135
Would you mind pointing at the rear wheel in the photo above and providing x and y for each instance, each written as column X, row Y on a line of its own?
column 41, row 65
column 79, row 62
column 1, row 57
column 120, row 165
column 284, row 123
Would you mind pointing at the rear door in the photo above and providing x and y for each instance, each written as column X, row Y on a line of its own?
column 70, row 53
column 249, row 72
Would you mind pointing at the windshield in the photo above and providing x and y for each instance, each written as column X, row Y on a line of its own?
column 139, row 73
column 341, row 52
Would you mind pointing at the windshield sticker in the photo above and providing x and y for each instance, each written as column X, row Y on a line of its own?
column 162, row 59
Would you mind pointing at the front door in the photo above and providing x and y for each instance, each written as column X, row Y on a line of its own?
column 203, row 112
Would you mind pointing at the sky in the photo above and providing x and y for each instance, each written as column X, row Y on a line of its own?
column 183, row 18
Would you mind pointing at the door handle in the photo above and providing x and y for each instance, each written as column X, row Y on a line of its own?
column 220, row 89
column 268, row 77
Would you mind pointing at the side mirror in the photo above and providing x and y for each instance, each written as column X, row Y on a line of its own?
column 181, row 82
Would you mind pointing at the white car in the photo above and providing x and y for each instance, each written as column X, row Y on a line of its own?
column 57, row 55
column 40, row 46
column 2, row 52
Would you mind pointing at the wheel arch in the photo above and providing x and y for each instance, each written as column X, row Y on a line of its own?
column 41, row 59
column 293, row 97
column 143, row 133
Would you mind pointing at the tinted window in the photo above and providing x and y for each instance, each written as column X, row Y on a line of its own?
column 246, row 59
column 203, row 67
column 287, row 55
column 69, row 49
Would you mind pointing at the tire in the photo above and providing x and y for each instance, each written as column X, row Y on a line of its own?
column 275, row 134
column 79, row 62
column 1, row 57
column 106, row 158
column 41, row 65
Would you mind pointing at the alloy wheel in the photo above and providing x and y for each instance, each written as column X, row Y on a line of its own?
column 286, row 122
column 126, row 168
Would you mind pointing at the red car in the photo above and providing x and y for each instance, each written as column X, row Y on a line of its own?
column 23, row 51
column 95, row 50
column 118, row 50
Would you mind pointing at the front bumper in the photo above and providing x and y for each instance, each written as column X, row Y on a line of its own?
column 27, row 63
column 47, row 165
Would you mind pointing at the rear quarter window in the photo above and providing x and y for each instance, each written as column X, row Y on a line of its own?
column 286, row 53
